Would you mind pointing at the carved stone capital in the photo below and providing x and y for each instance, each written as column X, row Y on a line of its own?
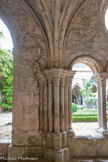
column 62, row 81
column 68, row 81
column 103, row 83
column 59, row 73
column 56, row 81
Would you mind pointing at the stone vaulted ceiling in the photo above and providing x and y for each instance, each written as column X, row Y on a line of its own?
column 55, row 18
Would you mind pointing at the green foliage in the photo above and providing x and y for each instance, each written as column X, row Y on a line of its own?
column 92, row 100
column 87, row 92
column 87, row 88
column 6, row 78
column 74, row 107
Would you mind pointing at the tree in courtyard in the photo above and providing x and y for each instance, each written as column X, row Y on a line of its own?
column 6, row 77
column 87, row 92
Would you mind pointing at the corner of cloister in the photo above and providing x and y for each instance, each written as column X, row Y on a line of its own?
column 49, row 37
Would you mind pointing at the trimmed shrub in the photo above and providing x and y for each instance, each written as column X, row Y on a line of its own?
column 74, row 107
column 76, row 115
column 85, row 118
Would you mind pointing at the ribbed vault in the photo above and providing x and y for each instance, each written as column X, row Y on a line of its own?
column 55, row 18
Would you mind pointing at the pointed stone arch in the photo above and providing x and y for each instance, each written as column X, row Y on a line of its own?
column 76, row 84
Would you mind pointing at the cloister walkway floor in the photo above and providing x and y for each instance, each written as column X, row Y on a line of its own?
column 80, row 128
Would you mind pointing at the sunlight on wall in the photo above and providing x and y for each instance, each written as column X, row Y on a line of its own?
column 6, row 42
column 106, row 19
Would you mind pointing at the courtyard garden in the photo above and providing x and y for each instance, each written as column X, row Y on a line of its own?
column 83, row 114
column 87, row 112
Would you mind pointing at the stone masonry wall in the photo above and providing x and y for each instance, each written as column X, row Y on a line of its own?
column 87, row 35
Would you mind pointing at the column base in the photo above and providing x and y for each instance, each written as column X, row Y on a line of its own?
column 71, row 133
column 57, row 156
column 102, row 131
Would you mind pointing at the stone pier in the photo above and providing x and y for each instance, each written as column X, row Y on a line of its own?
column 100, row 79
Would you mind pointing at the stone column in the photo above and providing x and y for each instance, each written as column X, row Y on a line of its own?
column 70, row 104
column 62, row 105
column 45, row 109
column 103, row 104
column 66, row 104
column 99, row 105
column 50, row 109
column 100, row 78
column 59, row 99
column 41, row 126
column 56, row 84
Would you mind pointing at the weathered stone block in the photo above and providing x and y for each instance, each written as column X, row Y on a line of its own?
column 33, row 151
column 30, row 112
column 66, row 154
column 19, row 137
column 49, row 140
column 81, row 147
column 19, row 111
column 57, row 141
column 59, row 156
column 15, row 152
column 49, row 154
column 4, row 149
column 102, row 147
column 36, row 140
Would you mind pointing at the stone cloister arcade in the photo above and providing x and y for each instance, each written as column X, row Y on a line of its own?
column 49, row 37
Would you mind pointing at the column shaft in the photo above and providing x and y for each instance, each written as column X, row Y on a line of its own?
column 62, row 105
column 56, row 105
column 41, row 106
column 99, row 105
column 45, row 107
column 70, row 107
column 50, row 111
column 66, row 107
column 103, row 104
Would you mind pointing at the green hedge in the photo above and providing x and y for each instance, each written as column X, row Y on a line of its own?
column 85, row 118
column 84, row 115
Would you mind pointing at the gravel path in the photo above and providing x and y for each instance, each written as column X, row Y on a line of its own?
column 5, row 125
